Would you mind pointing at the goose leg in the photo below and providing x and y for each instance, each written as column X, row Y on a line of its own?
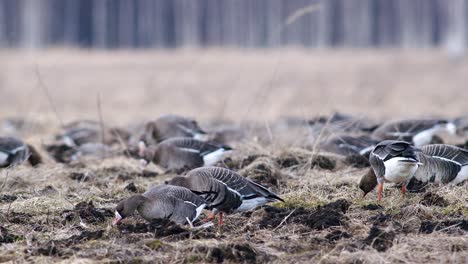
column 220, row 219
column 403, row 190
column 379, row 192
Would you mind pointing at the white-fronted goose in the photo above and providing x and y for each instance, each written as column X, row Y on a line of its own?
column 175, row 203
column 349, row 145
column 170, row 126
column 14, row 152
column 443, row 164
column 183, row 153
column 82, row 132
column 417, row 131
column 394, row 161
column 225, row 190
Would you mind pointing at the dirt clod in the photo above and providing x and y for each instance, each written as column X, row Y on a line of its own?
column 6, row 237
column 131, row 188
column 431, row 198
column 87, row 213
column 337, row 235
column 379, row 239
column 264, row 171
column 372, row 207
column 6, row 198
column 357, row 161
column 331, row 214
column 160, row 228
column 79, row 176
column 323, row 162
column 232, row 252
column 448, row 226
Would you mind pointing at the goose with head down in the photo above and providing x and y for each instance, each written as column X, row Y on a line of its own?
column 13, row 152
column 225, row 190
column 183, row 153
column 175, row 203
column 171, row 126
column 416, row 131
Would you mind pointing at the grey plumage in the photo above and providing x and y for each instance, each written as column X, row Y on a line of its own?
column 184, row 153
column 12, row 152
column 174, row 203
column 348, row 145
column 170, row 126
column 225, row 190
column 442, row 164
column 393, row 161
column 417, row 131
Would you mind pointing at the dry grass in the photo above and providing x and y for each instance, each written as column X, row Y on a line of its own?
column 230, row 85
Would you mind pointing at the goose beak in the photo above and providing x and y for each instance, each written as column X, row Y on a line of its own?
column 117, row 219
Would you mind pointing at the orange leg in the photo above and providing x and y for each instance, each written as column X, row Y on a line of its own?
column 403, row 190
column 379, row 192
column 220, row 219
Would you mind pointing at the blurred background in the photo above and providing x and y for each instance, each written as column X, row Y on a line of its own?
column 233, row 59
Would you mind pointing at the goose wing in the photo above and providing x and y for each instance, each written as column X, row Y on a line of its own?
column 194, row 146
column 178, row 192
column 11, row 146
column 245, row 187
column 450, row 153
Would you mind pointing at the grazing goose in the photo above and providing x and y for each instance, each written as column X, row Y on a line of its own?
column 183, row 153
column 419, row 132
column 344, row 122
column 441, row 164
column 175, row 203
column 82, row 132
column 349, row 145
column 394, row 161
column 170, row 126
column 13, row 152
column 225, row 190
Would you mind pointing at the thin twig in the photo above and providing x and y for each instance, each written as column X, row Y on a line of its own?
column 101, row 119
column 284, row 220
column 45, row 90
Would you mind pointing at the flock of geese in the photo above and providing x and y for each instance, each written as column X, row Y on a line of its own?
column 398, row 152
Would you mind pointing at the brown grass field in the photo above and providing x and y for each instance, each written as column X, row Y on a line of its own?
column 325, row 218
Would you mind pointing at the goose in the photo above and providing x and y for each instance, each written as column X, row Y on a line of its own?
column 13, row 152
column 175, row 203
column 441, row 164
column 81, row 132
column 225, row 190
column 349, row 145
column 170, row 126
column 394, row 161
column 183, row 153
column 417, row 131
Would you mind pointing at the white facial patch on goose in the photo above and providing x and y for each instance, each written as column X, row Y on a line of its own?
column 399, row 169
column 213, row 157
column 3, row 158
